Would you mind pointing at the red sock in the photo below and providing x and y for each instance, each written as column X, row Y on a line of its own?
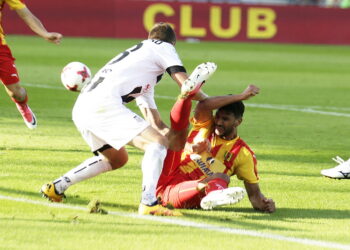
column 180, row 114
column 171, row 161
column 20, row 102
column 216, row 184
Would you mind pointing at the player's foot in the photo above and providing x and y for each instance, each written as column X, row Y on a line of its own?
column 28, row 115
column 49, row 191
column 200, row 74
column 157, row 210
column 222, row 197
column 342, row 171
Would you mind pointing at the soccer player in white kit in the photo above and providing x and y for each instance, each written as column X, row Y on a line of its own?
column 107, row 125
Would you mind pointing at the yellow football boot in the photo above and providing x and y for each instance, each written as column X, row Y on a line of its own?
column 157, row 210
column 48, row 190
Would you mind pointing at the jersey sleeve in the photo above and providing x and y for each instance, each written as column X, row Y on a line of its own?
column 199, row 131
column 15, row 4
column 167, row 56
column 146, row 100
column 246, row 169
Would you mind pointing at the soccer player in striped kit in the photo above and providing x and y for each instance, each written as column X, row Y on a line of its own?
column 198, row 176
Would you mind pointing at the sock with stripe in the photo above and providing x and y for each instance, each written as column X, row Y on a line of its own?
column 89, row 168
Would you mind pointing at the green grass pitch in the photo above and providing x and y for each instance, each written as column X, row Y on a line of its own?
column 298, row 122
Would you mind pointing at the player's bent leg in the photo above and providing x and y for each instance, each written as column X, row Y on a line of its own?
column 155, row 146
column 184, row 194
column 117, row 158
column 91, row 167
column 179, row 118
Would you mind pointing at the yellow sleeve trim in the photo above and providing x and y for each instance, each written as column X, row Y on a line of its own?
column 197, row 125
column 15, row 4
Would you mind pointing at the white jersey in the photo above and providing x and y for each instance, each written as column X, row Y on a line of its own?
column 130, row 74
column 99, row 113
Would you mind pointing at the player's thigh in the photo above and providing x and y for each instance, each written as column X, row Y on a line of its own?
column 148, row 136
column 8, row 71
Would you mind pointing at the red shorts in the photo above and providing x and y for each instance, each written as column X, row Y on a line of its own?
column 8, row 71
column 182, row 193
column 175, row 188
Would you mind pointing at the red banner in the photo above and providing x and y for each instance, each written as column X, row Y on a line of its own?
column 203, row 21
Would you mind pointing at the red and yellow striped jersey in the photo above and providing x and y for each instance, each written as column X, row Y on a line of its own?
column 232, row 157
column 14, row 5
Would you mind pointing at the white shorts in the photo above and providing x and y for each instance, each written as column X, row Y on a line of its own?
column 113, row 126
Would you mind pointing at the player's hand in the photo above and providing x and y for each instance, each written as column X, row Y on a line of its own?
column 250, row 91
column 269, row 205
column 54, row 37
column 200, row 146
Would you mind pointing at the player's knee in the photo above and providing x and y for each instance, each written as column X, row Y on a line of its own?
column 177, row 139
column 162, row 140
column 118, row 162
column 223, row 176
column 16, row 92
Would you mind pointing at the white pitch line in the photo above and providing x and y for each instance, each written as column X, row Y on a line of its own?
column 311, row 109
column 202, row 226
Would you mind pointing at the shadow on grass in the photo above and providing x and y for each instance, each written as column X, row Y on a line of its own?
column 242, row 217
column 71, row 200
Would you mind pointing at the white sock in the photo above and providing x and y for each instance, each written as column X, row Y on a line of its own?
column 89, row 168
column 152, row 165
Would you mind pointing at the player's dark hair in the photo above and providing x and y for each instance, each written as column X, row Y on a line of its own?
column 236, row 108
column 164, row 32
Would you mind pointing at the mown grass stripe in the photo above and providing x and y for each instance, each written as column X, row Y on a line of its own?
column 186, row 223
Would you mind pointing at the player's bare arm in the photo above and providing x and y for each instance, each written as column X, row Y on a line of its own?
column 258, row 200
column 203, row 110
column 35, row 25
column 153, row 117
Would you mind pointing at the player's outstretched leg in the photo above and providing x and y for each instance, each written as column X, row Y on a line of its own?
column 19, row 96
column 200, row 74
column 222, row 197
column 342, row 171
column 91, row 167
